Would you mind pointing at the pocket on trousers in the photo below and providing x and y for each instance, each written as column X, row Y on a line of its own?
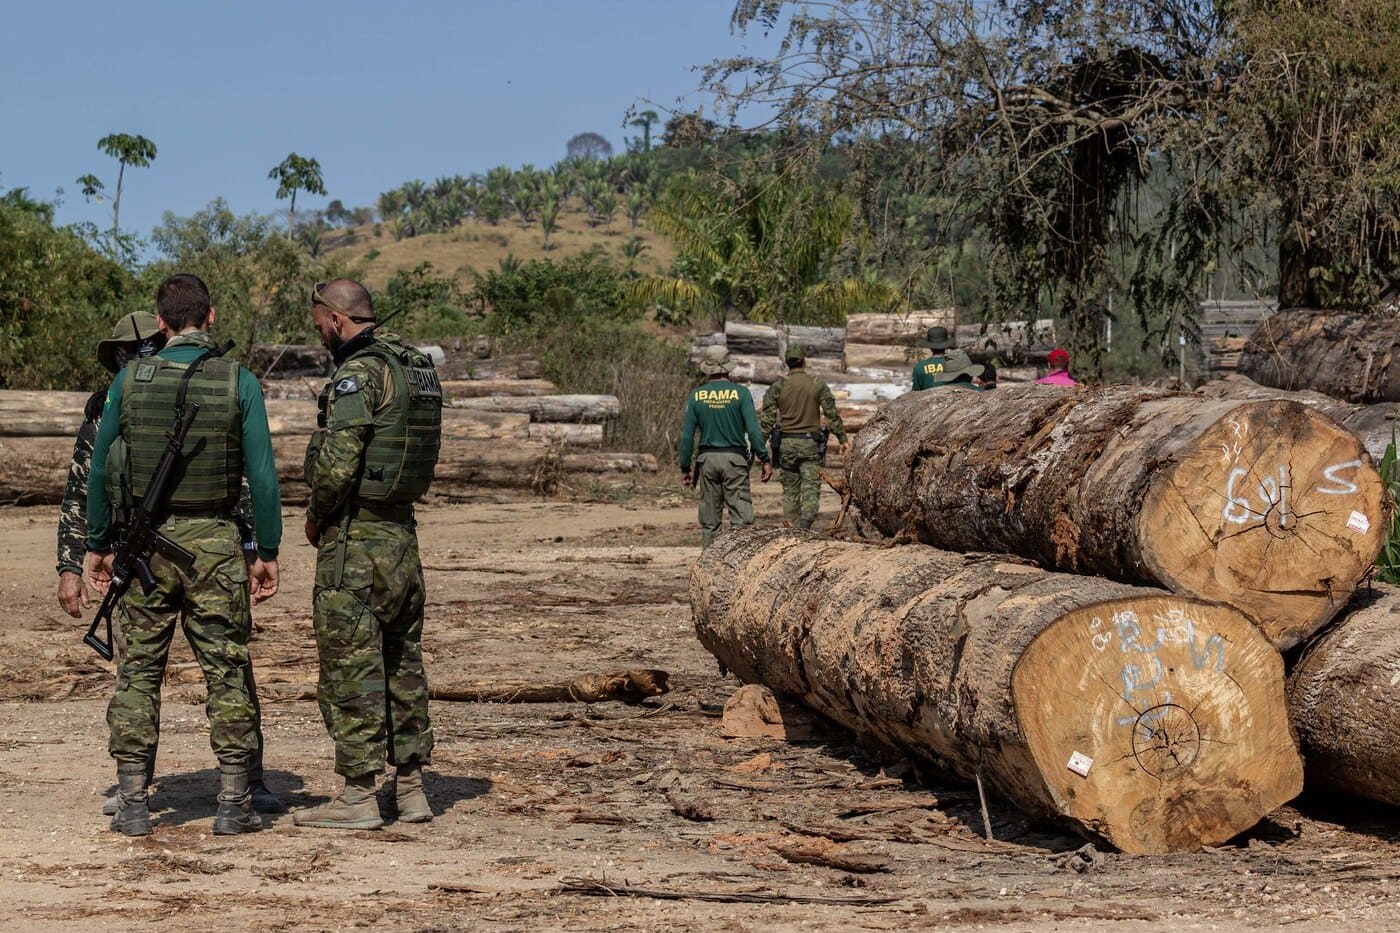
column 221, row 556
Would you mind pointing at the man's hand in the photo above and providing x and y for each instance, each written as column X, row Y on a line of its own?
column 688, row 479
column 767, row 472
column 99, row 571
column 262, row 579
column 843, row 448
column 313, row 533
column 72, row 595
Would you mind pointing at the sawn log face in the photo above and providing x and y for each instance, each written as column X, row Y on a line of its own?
column 968, row 660
column 1268, row 506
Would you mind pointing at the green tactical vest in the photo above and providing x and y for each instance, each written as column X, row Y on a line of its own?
column 118, row 481
column 402, row 449
column 210, row 472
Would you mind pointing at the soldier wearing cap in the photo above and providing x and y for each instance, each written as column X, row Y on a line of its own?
column 796, row 404
column 939, row 341
column 135, row 336
column 722, row 411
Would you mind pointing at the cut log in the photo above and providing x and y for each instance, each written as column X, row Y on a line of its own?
column 883, row 356
column 1267, row 506
column 770, row 340
column 1152, row 721
column 542, row 408
column 1348, row 356
column 899, row 330
column 875, row 356
column 483, row 388
column 767, row 370
column 1377, row 425
column 297, row 418
column 576, row 435
column 1340, row 696
column 41, row 413
column 630, row 686
column 511, row 366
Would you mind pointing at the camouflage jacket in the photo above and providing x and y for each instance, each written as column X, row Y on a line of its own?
column 799, row 409
column 72, row 516
column 337, row 449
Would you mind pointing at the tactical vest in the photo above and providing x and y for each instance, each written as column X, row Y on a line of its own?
column 210, row 472
column 402, row 450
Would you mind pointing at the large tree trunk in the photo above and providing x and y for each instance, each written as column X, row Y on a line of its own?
column 1340, row 697
column 541, row 408
column 1348, row 356
column 1266, row 506
column 1377, row 425
column 1153, row 721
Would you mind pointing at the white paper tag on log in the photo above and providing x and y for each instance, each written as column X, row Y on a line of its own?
column 1359, row 523
column 1080, row 764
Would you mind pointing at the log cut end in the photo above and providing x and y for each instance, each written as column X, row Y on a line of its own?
column 1274, row 508
column 1158, row 722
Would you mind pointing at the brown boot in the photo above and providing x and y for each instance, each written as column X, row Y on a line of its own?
column 235, row 814
column 408, row 795
column 355, row 808
column 132, row 817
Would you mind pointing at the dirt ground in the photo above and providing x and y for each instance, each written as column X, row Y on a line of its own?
column 545, row 809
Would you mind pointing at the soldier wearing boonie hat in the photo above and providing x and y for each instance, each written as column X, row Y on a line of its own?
column 722, row 411
column 958, row 371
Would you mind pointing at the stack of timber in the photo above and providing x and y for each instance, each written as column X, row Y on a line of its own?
column 1222, row 331
column 500, row 444
column 1267, row 506
column 1352, row 357
column 1153, row 721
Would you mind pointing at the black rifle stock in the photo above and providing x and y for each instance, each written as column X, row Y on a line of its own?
column 140, row 540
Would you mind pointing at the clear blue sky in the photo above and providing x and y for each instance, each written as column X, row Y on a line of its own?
column 378, row 92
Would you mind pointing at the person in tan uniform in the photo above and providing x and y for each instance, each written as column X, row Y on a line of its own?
column 795, row 406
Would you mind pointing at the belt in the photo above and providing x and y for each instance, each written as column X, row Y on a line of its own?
column 741, row 451
column 200, row 511
column 382, row 512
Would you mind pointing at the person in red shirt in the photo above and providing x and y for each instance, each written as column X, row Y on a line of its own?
column 1059, row 370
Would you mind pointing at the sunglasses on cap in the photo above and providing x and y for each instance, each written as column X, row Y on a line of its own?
column 318, row 299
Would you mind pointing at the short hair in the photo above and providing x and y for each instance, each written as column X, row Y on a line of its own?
column 797, row 362
column 182, row 301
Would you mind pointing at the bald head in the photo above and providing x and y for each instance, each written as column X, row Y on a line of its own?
column 348, row 297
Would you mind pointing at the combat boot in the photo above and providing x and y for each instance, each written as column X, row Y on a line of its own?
column 412, row 803
column 235, row 814
column 132, row 817
column 264, row 800
column 355, row 808
column 112, row 804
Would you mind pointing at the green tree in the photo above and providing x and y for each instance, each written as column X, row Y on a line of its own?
column 296, row 173
column 549, row 220
column 644, row 120
column 91, row 187
column 127, row 149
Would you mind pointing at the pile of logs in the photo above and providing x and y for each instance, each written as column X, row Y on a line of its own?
column 1120, row 668
column 1353, row 357
column 511, row 437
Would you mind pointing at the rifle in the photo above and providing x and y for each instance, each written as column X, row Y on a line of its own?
column 140, row 540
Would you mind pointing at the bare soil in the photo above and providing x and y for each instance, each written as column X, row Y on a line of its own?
column 545, row 809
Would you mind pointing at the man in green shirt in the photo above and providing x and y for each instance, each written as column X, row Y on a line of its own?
column 796, row 404
column 958, row 372
column 939, row 341
column 228, row 435
column 723, row 412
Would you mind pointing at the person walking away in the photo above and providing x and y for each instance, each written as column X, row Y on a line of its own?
column 939, row 341
column 1059, row 370
column 723, row 412
column 795, row 405
column 228, row 436
column 372, row 457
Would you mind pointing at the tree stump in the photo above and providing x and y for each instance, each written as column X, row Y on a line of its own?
column 1149, row 720
column 1267, row 506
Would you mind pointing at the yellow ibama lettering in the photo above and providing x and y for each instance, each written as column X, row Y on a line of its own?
column 717, row 395
column 931, row 368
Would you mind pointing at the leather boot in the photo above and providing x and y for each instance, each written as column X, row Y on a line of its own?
column 235, row 814
column 264, row 800
column 112, row 804
column 132, row 817
column 409, row 797
column 355, row 808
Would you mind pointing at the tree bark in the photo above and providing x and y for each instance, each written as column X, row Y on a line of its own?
column 1152, row 721
column 1349, row 356
column 576, row 435
column 1377, row 425
column 1266, row 506
column 541, row 408
column 770, row 340
column 1339, row 697
column 512, row 366
column 766, row 370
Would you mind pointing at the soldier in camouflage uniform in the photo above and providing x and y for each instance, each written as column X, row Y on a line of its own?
column 373, row 456
column 722, row 411
column 134, row 336
column 228, row 434
column 795, row 405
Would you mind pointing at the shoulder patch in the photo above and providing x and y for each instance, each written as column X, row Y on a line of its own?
column 144, row 371
column 345, row 385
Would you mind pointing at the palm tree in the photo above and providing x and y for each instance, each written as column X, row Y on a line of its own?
column 636, row 204
column 606, row 206
column 644, row 120
column 128, row 149
column 91, row 187
column 632, row 249
column 549, row 220
column 391, row 204
column 296, row 173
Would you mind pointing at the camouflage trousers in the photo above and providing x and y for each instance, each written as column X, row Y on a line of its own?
column 212, row 607
column 800, row 474
column 722, row 479
column 373, row 692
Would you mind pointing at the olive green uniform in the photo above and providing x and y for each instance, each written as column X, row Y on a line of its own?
column 374, row 455
column 228, row 435
column 796, row 403
column 722, row 411
column 926, row 371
